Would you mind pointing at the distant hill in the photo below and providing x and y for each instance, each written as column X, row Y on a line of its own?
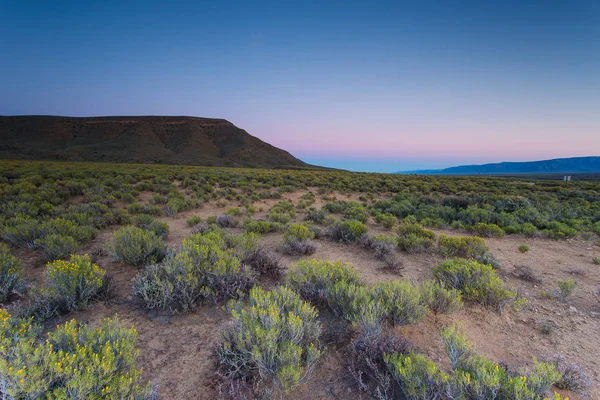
column 558, row 165
column 142, row 139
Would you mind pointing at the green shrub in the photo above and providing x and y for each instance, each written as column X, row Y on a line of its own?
column 280, row 217
column 206, row 268
column 298, row 232
column 316, row 216
column 20, row 231
column 523, row 248
column 275, row 337
column 135, row 208
column 233, row 212
column 348, row 231
column 61, row 226
column 11, row 281
column 417, row 377
column 462, row 246
column 133, row 245
column 487, row 230
column 440, row 300
column 57, row 246
column 296, row 240
column 76, row 361
column 477, row 282
column 149, row 223
column 194, row 220
column 361, row 306
column 380, row 245
column 313, row 279
column 596, row 260
column 472, row 376
column 76, row 281
column 386, row 220
column 565, row 289
column 413, row 243
column 401, row 301
column 413, row 238
column 262, row 226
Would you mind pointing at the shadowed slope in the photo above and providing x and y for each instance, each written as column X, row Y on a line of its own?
column 144, row 139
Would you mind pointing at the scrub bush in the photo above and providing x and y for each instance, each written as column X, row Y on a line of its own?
column 204, row 269
column 462, row 246
column 226, row 221
column 487, row 230
column 11, row 281
column 477, row 282
column 76, row 282
column 401, row 301
column 367, row 363
column 149, row 223
column 386, row 220
column 440, row 300
column 296, row 240
column 565, row 289
column 264, row 262
column 75, row 361
column 133, row 245
column 57, row 246
column 413, row 238
column 313, row 279
column 381, row 245
column 194, row 220
column 472, row 376
column 417, row 377
column 274, row 339
column 20, row 231
column 316, row 216
column 573, row 377
column 348, row 231
column 262, row 226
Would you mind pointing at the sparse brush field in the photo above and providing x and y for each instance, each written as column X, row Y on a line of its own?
column 172, row 282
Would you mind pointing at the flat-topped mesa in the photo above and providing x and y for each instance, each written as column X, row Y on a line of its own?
column 138, row 139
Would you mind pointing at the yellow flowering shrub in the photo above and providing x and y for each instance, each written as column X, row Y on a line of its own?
column 207, row 267
column 472, row 377
column 76, row 281
column 274, row 338
column 75, row 361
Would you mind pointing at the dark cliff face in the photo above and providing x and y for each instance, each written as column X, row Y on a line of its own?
column 151, row 139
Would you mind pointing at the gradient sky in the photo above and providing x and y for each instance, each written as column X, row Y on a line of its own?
column 371, row 86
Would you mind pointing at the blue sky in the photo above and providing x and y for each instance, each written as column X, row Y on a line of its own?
column 377, row 86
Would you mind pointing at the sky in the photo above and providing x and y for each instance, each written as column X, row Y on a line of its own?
column 360, row 85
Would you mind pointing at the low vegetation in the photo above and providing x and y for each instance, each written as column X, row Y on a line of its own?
column 75, row 361
column 274, row 339
column 477, row 282
column 136, row 246
column 56, row 210
column 208, row 267
column 11, row 280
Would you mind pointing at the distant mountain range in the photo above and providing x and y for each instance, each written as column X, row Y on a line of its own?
column 556, row 166
column 141, row 139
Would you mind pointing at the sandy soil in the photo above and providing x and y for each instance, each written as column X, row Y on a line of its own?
column 176, row 351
